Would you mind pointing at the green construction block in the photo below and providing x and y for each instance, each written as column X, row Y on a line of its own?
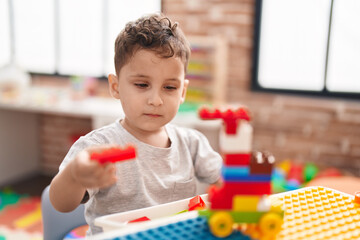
column 205, row 213
column 183, row 211
column 246, row 217
column 310, row 171
column 238, row 217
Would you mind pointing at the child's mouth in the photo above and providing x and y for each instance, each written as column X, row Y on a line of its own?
column 152, row 115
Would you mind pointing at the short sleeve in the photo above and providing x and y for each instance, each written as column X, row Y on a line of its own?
column 207, row 162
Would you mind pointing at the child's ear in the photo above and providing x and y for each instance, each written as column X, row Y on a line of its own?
column 183, row 94
column 114, row 86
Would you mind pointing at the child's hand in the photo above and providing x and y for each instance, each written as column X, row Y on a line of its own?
column 90, row 173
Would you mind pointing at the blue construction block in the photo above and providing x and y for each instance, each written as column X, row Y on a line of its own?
column 239, row 174
column 238, row 171
column 190, row 229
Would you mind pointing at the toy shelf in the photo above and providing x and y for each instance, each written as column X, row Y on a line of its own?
column 207, row 70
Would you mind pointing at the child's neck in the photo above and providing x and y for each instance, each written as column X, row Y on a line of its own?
column 154, row 138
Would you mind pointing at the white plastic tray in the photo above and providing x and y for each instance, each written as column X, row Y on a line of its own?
column 120, row 220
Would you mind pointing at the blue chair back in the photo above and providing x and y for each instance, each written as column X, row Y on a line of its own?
column 57, row 224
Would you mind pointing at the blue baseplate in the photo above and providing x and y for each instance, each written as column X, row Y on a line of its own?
column 190, row 229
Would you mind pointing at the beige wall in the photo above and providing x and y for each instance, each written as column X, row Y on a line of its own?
column 307, row 129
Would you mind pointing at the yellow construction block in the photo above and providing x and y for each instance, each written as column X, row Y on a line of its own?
column 245, row 203
column 319, row 213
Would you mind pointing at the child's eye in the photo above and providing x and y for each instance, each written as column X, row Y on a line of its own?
column 170, row 87
column 141, row 85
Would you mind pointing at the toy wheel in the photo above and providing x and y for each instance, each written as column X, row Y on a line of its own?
column 270, row 224
column 221, row 224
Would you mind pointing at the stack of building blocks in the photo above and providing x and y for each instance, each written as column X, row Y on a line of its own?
column 246, row 176
column 309, row 213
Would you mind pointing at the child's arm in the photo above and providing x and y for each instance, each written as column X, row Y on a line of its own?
column 69, row 185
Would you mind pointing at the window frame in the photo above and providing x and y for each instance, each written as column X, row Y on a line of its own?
column 255, row 84
column 56, row 12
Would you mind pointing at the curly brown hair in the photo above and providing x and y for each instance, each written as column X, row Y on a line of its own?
column 154, row 32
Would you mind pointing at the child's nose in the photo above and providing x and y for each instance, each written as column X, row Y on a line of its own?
column 155, row 99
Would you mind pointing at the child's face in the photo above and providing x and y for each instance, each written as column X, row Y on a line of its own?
column 150, row 89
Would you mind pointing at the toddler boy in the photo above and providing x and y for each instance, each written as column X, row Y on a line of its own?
column 151, row 57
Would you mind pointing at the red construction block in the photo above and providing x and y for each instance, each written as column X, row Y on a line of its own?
column 218, row 199
column 196, row 203
column 241, row 159
column 114, row 155
column 247, row 188
column 221, row 198
column 357, row 198
column 296, row 172
column 229, row 117
column 142, row 219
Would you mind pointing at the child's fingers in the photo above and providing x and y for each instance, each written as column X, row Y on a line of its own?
column 92, row 174
column 108, row 177
column 110, row 171
column 105, row 176
column 109, row 167
column 99, row 179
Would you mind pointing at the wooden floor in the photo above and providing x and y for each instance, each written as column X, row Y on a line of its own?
column 32, row 186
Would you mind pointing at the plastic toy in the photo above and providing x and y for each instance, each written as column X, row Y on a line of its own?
column 357, row 198
column 230, row 117
column 242, row 200
column 319, row 213
column 196, row 203
column 189, row 229
column 312, row 213
column 310, row 172
column 142, row 219
column 296, row 173
column 114, row 155
column 289, row 175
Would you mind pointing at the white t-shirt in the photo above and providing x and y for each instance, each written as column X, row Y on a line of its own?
column 156, row 176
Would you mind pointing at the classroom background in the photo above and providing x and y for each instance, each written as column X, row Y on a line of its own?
column 292, row 65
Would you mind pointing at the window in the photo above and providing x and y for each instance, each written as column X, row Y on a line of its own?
column 66, row 37
column 34, row 35
column 5, row 33
column 344, row 49
column 306, row 46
